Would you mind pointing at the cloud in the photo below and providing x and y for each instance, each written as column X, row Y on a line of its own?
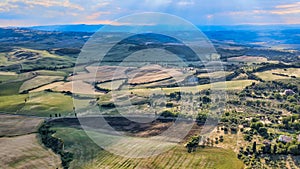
column 44, row 3
column 96, row 15
column 186, row 3
column 6, row 6
column 105, row 11
column 286, row 6
column 286, row 9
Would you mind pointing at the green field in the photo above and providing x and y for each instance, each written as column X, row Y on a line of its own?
column 51, row 73
column 39, row 104
column 10, row 88
column 7, row 77
column 268, row 76
column 90, row 156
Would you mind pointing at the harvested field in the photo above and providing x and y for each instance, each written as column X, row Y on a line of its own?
column 80, row 87
column 48, row 86
column 215, row 75
column 151, row 73
column 113, row 85
column 251, row 59
column 20, row 147
column 25, row 152
column 228, row 85
column 18, row 125
column 8, row 73
column 39, row 81
column 101, row 74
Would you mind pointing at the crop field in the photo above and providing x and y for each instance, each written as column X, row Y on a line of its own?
column 39, row 81
column 228, row 85
column 48, row 86
column 175, row 158
column 113, row 85
column 269, row 75
column 27, row 153
column 100, row 74
column 20, row 147
column 78, row 87
column 18, row 125
column 88, row 155
column 248, row 59
column 215, row 75
column 148, row 74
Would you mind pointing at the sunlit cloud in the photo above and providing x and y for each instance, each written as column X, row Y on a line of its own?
column 287, row 9
column 219, row 12
column 6, row 6
column 96, row 15
column 48, row 3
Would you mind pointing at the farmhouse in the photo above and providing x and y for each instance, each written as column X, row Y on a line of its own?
column 289, row 92
column 285, row 139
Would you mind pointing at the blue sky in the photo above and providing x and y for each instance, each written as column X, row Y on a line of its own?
column 200, row 12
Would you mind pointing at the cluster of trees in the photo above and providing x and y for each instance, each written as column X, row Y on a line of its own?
column 195, row 140
column 291, row 122
column 55, row 115
column 252, row 154
column 56, row 144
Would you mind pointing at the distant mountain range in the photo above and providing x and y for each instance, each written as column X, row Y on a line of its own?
column 94, row 28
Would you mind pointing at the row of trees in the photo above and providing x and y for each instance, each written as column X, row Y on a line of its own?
column 56, row 144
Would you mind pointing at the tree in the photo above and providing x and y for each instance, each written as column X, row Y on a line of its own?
column 274, row 149
column 263, row 132
column 254, row 147
column 257, row 125
column 293, row 149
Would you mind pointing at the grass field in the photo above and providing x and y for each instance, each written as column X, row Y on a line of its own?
column 45, row 103
column 39, row 81
column 5, row 76
column 268, row 76
column 39, row 104
column 10, row 88
column 51, row 73
column 90, row 156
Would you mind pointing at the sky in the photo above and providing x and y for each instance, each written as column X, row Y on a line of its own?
column 198, row 12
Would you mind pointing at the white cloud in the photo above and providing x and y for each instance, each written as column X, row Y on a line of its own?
column 185, row 3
